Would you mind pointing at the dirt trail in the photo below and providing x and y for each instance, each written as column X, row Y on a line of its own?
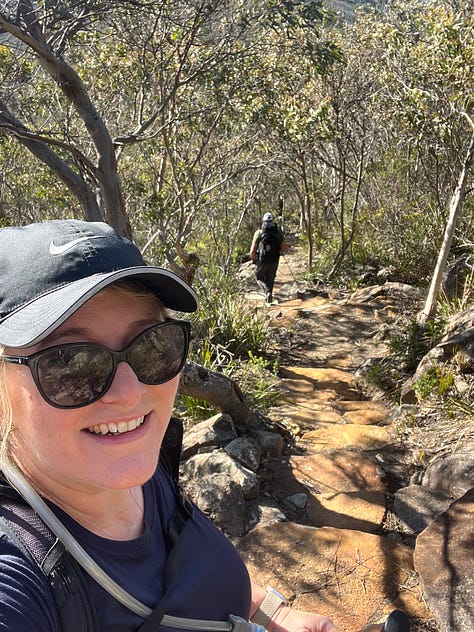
column 337, row 552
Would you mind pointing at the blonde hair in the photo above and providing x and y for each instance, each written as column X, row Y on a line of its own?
column 128, row 286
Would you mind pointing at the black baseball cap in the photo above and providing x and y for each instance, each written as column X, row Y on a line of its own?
column 50, row 269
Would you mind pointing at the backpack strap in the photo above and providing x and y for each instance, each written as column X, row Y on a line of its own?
column 171, row 446
column 40, row 546
column 38, row 543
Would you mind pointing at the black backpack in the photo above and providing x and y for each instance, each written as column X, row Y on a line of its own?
column 39, row 544
column 269, row 243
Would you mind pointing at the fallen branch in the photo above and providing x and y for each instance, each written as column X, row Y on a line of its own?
column 218, row 390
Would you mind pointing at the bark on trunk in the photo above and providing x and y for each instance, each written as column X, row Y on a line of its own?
column 218, row 390
column 457, row 200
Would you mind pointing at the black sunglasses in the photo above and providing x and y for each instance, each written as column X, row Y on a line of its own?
column 79, row 373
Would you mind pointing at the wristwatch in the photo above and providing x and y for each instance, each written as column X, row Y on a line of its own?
column 268, row 607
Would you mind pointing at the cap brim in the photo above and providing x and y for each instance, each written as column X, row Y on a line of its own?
column 36, row 320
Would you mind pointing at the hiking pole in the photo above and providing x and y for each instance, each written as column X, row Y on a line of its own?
column 291, row 271
column 281, row 207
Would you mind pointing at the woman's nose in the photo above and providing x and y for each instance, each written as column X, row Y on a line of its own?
column 126, row 387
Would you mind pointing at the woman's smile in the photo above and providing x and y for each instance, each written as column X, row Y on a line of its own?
column 112, row 443
column 117, row 428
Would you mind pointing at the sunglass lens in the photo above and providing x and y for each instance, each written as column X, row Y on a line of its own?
column 74, row 375
column 159, row 353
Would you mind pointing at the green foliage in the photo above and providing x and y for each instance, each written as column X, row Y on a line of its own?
column 194, row 409
column 380, row 373
column 414, row 342
column 211, row 357
column 467, row 408
column 256, row 379
column 359, row 125
column 226, row 319
column 231, row 338
column 438, row 380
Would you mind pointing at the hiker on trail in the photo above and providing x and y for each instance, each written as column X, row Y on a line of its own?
column 267, row 246
column 90, row 363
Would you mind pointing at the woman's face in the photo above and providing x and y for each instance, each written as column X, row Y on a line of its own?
column 56, row 448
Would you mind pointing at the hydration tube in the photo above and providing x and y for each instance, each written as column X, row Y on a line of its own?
column 23, row 487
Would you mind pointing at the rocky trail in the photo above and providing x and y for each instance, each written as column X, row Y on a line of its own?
column 341, row 550
column 317, row 505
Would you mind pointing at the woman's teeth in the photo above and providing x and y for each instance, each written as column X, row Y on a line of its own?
column 120, row 428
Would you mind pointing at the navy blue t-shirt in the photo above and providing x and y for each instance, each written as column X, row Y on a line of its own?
column 211, row 583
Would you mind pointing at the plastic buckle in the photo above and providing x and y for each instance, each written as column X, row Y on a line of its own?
column 242, row 625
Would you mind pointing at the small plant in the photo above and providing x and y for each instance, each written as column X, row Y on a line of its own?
column 465, row 407
column 257, row 380
column 195, row 409
column 230, row 337
column 437, row 380
column 414, row 342
column 225, row 318
column 380, row 372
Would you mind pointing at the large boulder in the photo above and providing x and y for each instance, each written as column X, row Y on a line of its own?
column 444, row 560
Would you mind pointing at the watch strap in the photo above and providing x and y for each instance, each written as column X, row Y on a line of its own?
column 273, row 600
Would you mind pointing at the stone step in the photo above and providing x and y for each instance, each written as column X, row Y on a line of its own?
column 351, row 576
column 353, row 436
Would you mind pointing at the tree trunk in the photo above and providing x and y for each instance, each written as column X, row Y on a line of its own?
column 74, row 182
column 104, row 174
column 218, row 390
column 429, row 309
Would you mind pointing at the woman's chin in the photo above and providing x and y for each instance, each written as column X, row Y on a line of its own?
column 128, row 473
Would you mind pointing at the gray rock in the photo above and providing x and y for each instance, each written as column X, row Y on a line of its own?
column 389, row 288
column 265, row 512
column 245, row 451
column 367, row 293
column 298, row 500
column 452, row 474
column 363, row 380
column 460, row 322
column 402, row 290
column 271, row 443
column 213, row 432
column 222, row 499
column 444, row 559
column 416, row 507
column 201, row 466
column 456, row 275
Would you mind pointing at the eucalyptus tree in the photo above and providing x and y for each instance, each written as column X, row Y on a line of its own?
column 322, row 135
column 38, row 37
column 125, row 73
column 286, row 113
column 345, row 152
column 214, row 156
column 144, row 110
column 421, row 61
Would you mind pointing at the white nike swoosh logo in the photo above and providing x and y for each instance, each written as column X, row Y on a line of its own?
column 59, row 250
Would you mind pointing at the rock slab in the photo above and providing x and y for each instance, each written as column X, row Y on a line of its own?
column 444, row 560
column 349, row 576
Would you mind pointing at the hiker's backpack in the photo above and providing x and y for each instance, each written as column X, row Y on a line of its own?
column 269, row 242
column 65, row 576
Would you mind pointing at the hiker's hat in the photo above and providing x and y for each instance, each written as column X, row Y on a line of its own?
column 268, row 217
column 50, row 269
